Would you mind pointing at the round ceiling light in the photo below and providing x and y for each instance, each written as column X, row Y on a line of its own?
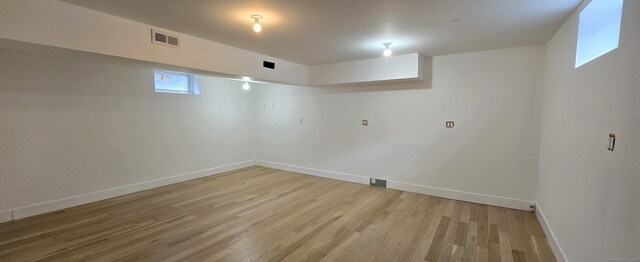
column 257, row 27
column 387, row 49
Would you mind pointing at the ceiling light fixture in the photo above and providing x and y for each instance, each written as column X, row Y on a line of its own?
column 246, row 86
column 387, row 50
column 257, row 27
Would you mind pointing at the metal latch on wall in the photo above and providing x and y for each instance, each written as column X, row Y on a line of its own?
column 612, row 142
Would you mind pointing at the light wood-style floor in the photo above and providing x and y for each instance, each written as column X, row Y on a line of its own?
column 266, row 214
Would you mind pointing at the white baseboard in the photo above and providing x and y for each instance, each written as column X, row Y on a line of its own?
column 59, row 204
column 315, row 172
column 553, row 242
column 6, row 216
column 461, row 195
column 427, row 190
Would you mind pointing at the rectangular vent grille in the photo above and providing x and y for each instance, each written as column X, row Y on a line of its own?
column 377, row 182
column 162, row 38
column 270, row 65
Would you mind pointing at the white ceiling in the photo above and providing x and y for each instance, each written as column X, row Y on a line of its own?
column 312, row 32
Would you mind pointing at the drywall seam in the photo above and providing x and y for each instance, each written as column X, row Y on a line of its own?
column 551, row 238
column 46, row 207
column 421, row 189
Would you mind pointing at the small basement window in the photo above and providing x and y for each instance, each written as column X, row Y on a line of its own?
column 175, row 82
column 598, row 30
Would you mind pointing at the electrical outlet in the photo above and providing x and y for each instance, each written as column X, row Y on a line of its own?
column 449, row 124
column 365, row 122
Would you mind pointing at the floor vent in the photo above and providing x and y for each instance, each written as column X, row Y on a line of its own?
column 162, row 38
column 378, row 182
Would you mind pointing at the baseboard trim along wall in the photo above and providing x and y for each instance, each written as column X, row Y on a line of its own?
column 41, row 208
column 6, row 216
column 420, row 189
column 461, row 195
column 315, row 172
column 553, row 242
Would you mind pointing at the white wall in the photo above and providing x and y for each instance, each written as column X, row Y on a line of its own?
column 381, row 69
column 494, row 97
column 78, row 124
column 73, row 126
column 74, row 130
column 59, row 24
column 588, row 195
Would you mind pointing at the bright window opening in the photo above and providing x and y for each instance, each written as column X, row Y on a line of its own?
column 175, row 82
column 598, row 30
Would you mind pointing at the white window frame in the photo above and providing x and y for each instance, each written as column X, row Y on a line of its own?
column 592, row 41
column 192, row 83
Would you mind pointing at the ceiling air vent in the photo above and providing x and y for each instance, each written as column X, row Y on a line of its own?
column 270, row 65
column 162, row 38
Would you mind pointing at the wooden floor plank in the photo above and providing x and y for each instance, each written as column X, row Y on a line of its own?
column 264, row 214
